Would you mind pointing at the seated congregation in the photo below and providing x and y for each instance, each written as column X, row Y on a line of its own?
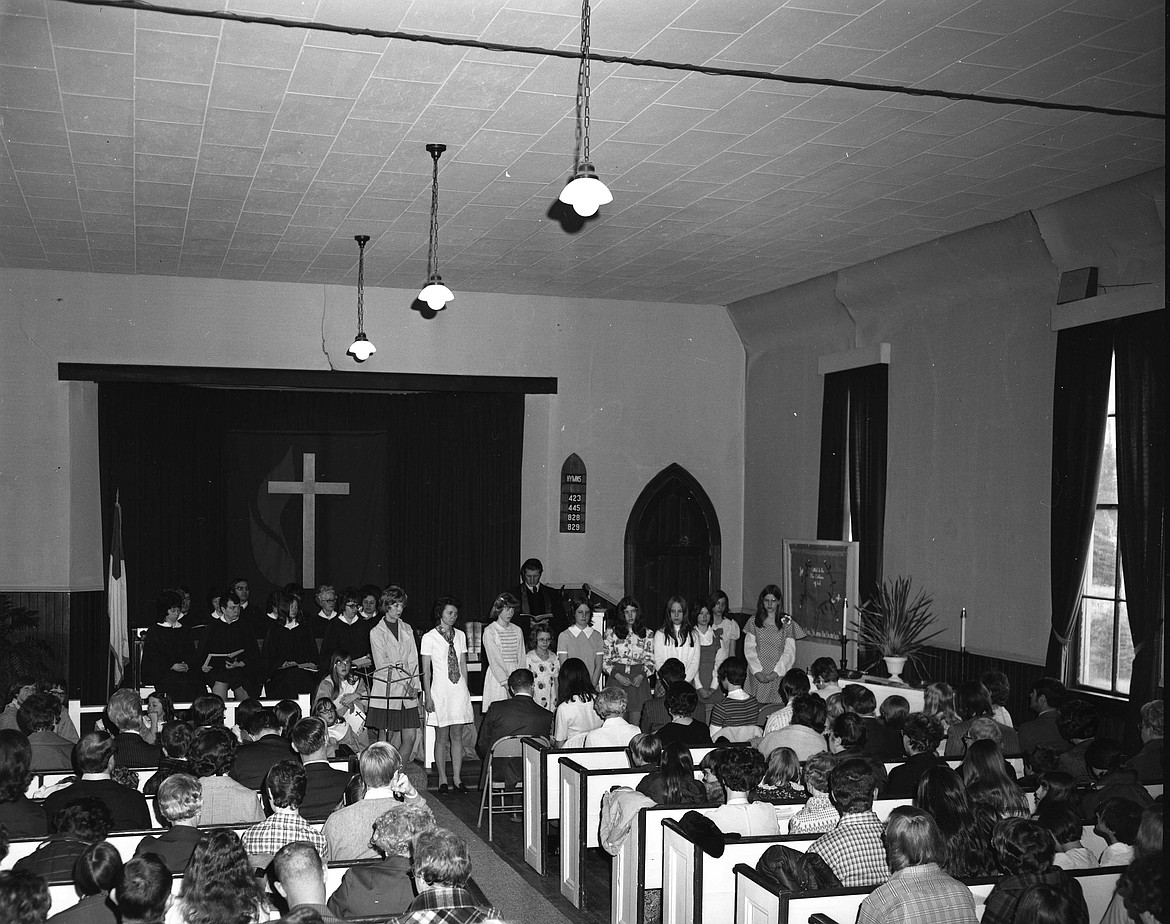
column 830, row 789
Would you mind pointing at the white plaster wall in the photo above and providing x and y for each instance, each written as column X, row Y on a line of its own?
column 640, row 386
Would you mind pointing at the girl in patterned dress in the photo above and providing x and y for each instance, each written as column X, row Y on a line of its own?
column 628, row 661
column 545, row 666
column 769, row 645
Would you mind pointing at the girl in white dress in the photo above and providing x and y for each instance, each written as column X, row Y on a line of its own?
column 545, row 666
column 503, row 643
column 444, row 669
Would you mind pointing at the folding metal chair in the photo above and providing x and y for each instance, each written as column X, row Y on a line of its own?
column 494, row 798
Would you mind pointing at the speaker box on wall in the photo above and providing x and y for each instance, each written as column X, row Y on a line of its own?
column 1077, row 284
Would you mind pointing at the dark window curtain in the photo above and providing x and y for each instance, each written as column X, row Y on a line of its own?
column 451, row 489
column 1079, row 411
column 834, row 436
column 868, row 437
column 855, row 413
column 1140, row 345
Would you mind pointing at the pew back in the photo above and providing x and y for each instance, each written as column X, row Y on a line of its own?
column 698, row 887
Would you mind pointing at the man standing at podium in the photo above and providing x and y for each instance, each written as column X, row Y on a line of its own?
column 538, row 601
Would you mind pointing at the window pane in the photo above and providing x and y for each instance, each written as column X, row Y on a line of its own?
column 1097, row 644
column 1104, row 571
column 1107, row 485
column 1125, row 653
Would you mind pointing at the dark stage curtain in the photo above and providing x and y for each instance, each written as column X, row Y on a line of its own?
column 1079, row 411
column 1140, row 345
column 434, row 501
column 855, row 414
column 834, row 438
column 868, row 437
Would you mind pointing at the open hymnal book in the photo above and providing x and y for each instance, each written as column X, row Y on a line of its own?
column 219, row 661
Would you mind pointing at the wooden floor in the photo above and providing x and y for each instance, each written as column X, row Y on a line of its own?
column 508, row 846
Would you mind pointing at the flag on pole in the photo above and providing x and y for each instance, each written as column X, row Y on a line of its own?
column 119, row 645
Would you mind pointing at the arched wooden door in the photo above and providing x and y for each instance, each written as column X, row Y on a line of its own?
column 673, row 543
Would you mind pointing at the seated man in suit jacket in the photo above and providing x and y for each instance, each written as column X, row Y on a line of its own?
column 325, row 787
column 519, row 715
column 263, row 748
column 94, row 758
column 180, row 804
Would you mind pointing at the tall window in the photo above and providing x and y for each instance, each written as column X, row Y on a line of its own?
column 1104, row 645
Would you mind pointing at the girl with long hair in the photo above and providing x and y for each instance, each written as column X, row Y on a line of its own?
column 628, row 660
column 769, row 645
column 674, row 783
column 711, row 654
column 219, row 885
column 677, row 639
column 939, row 702
column 575, row 692
column 984, row 763
column 967, row 832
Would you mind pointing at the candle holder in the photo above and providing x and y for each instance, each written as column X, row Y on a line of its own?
column 844, row 654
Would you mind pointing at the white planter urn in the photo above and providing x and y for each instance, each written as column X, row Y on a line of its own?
column 895, row 664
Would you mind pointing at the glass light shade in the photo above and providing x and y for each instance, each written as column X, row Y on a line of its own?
column 585, row 192
column 361, row 349
column 435, row 294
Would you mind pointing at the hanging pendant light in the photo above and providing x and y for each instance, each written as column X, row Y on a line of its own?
column 584, row 192
column 434, row 293
column 361, row 349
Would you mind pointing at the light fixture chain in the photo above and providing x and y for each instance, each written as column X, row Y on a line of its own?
column 583, row 86
column 361, row 293
column 433, row 254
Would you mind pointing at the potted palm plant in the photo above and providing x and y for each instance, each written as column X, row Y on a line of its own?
column 895, row 622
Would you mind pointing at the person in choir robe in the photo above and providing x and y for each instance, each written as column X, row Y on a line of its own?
column 228, row 655
column 243, row 590
column 326, row 609
column 368, row 608
column 290, row 651
column 538, row 601
column 169, row 661
column 348, row 631
column 38, row 718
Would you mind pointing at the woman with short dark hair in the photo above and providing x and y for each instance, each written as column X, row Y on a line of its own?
column 918, row 891
column 96, row 874
column 1024, row 852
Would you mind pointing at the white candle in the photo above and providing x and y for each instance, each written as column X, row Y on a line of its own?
column 963, row 629
column 844, row 617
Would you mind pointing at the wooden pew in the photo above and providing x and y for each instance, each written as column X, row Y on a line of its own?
column 580, row 797
column 62, row 895
column 697, row 887
column 87, row 716
column 758, row 902
column 542, row 774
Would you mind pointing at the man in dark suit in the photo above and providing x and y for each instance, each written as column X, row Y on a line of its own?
column 180, row 803
column 519, row 715
column 538, row 601
column 1046, row 697
column 263, row 748
column 93, row 756
column 325, row 785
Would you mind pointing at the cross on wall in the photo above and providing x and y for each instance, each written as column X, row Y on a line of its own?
column 309, row 487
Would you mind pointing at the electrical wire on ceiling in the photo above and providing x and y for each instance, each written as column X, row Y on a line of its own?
column 575, row 54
